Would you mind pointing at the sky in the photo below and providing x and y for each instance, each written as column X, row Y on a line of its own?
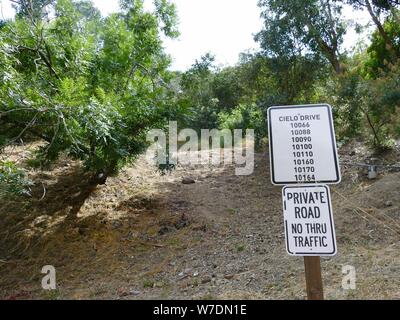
column 223, row 27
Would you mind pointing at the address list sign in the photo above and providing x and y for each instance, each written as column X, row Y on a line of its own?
column 303, row 145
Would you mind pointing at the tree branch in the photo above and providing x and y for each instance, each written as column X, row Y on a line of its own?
column 379, row 25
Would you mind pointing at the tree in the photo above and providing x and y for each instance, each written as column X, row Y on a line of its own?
column 87, row 86
column 228, row 88
column 297, row 27
column 33, row 9
column 87, row 10
column 379, row 59
column 197, row 96
column 377, row 9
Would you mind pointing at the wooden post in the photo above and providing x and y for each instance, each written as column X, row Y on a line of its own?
column 315, row 290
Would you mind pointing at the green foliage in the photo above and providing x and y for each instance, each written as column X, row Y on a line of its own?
column 301, row 37
column 380, row 103
column 147, row 283
column 13, row 180
column 380, row 59
column 365, row 106
column 344, row 95
column 245, row 117
column 35, row 9
column 197, row 96
column 228, row 88
column 166, row 13
column 89, row 86
column 299, row 40
column 294, row 27
column 292, row 81
column 87, row 10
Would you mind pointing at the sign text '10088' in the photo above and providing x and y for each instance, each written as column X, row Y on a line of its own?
column 303, row 145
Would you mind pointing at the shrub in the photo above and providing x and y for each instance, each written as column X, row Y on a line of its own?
column 13, row 180
column 245, row 116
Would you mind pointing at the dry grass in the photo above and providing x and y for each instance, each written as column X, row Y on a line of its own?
column 142, row 228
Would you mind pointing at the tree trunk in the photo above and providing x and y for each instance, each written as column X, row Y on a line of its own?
column 381, row 29
column 377, row 141
column 329, row 51
column 337, row 66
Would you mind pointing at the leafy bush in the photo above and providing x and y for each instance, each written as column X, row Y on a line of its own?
column 90, row 87
column 245, row 117
column 380, row 105
column 343, row 94
column 365, row 106
column 197, row 96
column 13, row 180
column 380, row 57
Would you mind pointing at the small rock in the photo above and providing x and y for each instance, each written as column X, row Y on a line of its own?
column 135, row 292
column 164, row 230
column 182, row 277
column 122, row 293
column 202, row 228
column 158, row 285
column 229, row 276
column 389, row 204
column 206, row 279
column 183, row 222
column 196, row 274
column 188, row 181
column 75, row 232
column 116, row 224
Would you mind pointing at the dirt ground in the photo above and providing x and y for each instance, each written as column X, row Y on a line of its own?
column 147, row 236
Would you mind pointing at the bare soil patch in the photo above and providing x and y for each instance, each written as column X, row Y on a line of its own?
column 147, row 236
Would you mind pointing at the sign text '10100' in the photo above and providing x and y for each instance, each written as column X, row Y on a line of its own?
column 303, row 145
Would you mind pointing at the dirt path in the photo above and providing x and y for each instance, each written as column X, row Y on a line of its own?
column 146, row 236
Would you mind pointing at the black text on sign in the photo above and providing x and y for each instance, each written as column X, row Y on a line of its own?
column 303, row 145
column 309, row 225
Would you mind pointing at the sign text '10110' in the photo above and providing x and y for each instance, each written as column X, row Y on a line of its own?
column 303, row 145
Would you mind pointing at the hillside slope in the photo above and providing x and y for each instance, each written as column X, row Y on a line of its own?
column 147, row 236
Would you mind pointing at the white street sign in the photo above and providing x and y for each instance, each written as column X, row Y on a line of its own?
column 309, row 226
column 303, row 145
